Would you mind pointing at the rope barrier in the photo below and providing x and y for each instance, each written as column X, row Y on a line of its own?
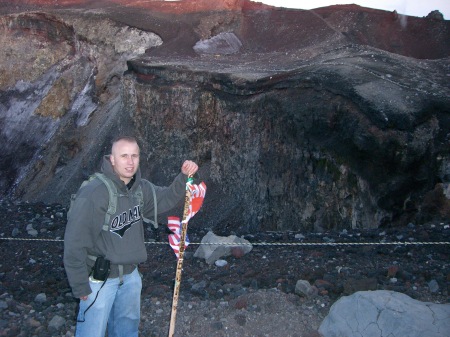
column 236, row 244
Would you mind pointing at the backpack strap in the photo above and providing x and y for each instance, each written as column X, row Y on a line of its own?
column 113, row 196
column 84, row 183
column 155, row 206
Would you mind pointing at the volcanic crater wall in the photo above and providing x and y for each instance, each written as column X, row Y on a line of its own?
column 324, row 146
column 329, row 133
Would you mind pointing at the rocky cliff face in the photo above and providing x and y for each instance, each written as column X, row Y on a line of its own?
column 59, row 95
column 348, row 139
column 334, row 118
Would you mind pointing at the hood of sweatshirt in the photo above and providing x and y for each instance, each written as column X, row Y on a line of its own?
column 108, row 170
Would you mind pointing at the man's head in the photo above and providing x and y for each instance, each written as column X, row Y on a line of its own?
column 125, row 158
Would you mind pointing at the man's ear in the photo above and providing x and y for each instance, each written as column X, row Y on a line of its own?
column 111, row 158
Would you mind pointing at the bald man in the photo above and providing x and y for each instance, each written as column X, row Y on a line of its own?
column 113, row 303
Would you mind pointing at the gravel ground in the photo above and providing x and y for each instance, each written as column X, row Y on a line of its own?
column 252, row 295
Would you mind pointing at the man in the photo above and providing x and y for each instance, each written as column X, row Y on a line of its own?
column 114, row 302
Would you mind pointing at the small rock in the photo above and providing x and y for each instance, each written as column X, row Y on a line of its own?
column 3, row 305
column 433, row 286
column 57, row 322
column 304, row 288
column 322, row 284
column 392, row 270
column 237, row 252
column 33, row 323
column 40, row 298
column 221, row 263
column 33, row 232
column 15, row 232
column 199, row 288
column 327, row 239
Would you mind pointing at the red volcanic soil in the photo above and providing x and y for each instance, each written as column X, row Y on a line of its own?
column 174, row 7
column 262, row 28
column 422, row 38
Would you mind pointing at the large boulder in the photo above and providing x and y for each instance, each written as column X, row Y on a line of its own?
column 214, row 247
column 385, row 313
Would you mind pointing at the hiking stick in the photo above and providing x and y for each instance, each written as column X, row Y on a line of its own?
column 176, row 290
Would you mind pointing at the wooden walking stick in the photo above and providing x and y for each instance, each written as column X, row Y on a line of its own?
column 176, row 290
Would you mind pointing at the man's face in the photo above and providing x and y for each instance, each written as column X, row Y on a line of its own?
column 125, row 159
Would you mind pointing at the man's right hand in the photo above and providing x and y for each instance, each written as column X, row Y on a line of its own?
column 83, row 298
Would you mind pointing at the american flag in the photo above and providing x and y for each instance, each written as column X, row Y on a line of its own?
column 197, row 195
column 174, row 224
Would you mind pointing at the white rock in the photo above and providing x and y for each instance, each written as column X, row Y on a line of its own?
column 221, row 263
column 385, row 313
column 222, row 43
column 214, row 247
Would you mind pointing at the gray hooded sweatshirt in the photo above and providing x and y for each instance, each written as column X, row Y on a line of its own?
column 124, row 242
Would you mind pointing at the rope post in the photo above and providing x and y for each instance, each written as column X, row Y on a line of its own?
column 176, row 290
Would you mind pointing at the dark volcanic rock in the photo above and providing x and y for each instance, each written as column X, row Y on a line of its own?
column 253, row 294
column 340, row 141
column 332, row 118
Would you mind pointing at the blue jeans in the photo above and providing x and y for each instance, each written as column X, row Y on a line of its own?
column 118, row 306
